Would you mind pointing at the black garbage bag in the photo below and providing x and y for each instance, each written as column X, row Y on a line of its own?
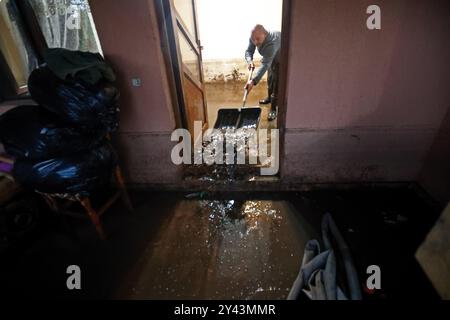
column 79, row 174
column 86, row 106
column 86, row 66
column 32, row 132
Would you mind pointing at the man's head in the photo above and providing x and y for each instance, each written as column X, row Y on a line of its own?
column 259, row 34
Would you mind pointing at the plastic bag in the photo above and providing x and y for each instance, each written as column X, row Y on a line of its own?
column 86, row 66
column 34, row 133
column 79, row 174
column 86, row 106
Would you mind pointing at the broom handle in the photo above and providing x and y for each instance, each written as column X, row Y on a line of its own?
column 246, row 90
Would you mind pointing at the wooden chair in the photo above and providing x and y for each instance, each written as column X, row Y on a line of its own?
column 53, row 200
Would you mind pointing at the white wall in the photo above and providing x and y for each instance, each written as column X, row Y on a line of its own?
column 225, row 25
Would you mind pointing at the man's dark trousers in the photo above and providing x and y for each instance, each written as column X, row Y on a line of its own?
column 273, row 80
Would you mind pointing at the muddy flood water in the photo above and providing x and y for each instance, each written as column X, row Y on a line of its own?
column 222, row 249
column 221, row 245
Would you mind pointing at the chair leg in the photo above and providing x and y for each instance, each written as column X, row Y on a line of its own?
column 86, row 203
column 52, row 203
column 123, row 190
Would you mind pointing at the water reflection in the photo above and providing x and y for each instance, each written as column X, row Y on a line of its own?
column 223, row 249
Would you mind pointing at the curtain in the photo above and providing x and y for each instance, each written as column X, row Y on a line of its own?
column 66, row 24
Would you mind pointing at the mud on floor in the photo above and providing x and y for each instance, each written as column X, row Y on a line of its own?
column 239, row 245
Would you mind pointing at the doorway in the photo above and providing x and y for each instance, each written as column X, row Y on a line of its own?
column 204, row 42
column 224, row 28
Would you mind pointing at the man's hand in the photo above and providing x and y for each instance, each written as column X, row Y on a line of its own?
column 249, row 86
column 251, row 66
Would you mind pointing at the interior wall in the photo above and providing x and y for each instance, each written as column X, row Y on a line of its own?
column 361, row 105
column 435, row 174
column 365, row 105
column 130, row 40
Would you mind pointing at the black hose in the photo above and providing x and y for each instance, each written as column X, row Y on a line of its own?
column 329, row 227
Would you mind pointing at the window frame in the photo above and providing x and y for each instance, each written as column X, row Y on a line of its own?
column 8, row 88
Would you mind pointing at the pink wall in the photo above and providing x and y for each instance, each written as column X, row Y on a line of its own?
column 130, row 41
column 435, row 176
column 362, row 105
column 365, row 105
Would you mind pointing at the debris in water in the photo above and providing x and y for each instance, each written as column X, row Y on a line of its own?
column 392, row 218
column 197, row 195
column 227, row 150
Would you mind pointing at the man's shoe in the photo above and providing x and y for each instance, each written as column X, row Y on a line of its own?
column 273, row 114
column 265, row 101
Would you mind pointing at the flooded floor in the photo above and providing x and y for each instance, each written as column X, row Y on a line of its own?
column 222, row 249
column 239, row 245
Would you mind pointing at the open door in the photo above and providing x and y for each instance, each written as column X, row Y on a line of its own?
column 180, row 18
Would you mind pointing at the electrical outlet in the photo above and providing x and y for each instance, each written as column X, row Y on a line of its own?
column 136, row 82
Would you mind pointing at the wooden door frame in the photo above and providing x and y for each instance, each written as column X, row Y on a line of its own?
column 174, row 68
column 283, row 85
column 166, row 24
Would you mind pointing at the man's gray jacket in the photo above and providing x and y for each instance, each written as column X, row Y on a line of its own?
column 268, row 50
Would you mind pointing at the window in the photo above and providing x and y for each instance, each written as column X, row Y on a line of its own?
column 66, row 24
column 189, row 56
column 15, row 47
column 185, row 9
column 27, row 27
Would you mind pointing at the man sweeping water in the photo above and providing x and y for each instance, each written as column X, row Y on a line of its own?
column 268, row 44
